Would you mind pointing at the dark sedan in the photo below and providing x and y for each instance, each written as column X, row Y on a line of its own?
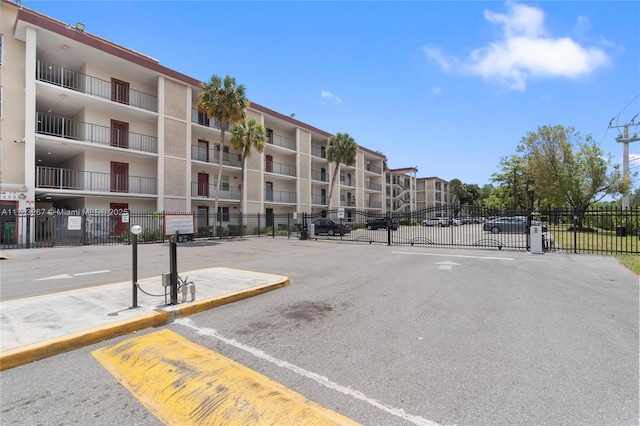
column 381, row 223
column 515, row 225
column 330, row 227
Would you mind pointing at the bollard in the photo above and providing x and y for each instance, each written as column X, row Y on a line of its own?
column 173, row 269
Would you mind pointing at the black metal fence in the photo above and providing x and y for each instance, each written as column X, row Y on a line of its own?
column 598, row 231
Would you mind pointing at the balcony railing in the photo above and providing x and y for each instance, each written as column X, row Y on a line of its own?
column 208, row 190
column 347, row 182
column 73, row 80
column 80, row 180
column 319, row 175
column 211, row 155
column 279, row 168
column 202, row 119
column 347, row 203
column 374, row 186
column 374, row 204
column 279, row 196
column 68, row 128
column 319, row 199
column 283, row 141
column 318, row 152
column 373, row 169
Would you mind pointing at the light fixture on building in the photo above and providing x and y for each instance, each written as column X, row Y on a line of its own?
column 80, row 26
column 293, row 114
column 64, row 47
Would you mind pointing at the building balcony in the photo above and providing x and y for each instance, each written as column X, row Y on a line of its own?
column 116, row 91
column 347, row 182
column 279, row 196
column 319, row 175
column 201, row 118
column 282, row 141
column 80, row 131
column 318, row 199
column 279, row 168
column 373, row 169
column 374, row 186
column 319, row 152
column 347, row 202
column 96, row 182
column 373, row 204
column 208, row 190
column 211, row 155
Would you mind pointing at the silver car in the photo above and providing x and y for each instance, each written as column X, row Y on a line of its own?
column 515, row 225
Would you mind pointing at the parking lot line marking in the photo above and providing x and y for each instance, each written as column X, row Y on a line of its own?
column 183, row 383
column 398, row 412
column 79, row 274
column 454, row 255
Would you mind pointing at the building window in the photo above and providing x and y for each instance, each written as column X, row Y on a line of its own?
column 1, row 36
column 438, row 186
column 224, row 212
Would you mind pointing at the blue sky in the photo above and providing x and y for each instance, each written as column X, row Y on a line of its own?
column 449, row 87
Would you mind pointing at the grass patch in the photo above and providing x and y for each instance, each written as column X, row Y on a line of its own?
column 599, row 242
column 631, row 261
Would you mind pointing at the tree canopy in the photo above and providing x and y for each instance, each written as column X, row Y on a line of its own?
column 245, row 137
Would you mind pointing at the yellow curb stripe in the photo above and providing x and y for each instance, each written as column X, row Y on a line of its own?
column 184, row 383
column 37, row 351
column 190, row 308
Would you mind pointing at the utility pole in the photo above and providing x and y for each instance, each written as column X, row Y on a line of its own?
column 625, row 139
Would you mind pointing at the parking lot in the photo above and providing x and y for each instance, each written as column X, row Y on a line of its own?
column 382, row 335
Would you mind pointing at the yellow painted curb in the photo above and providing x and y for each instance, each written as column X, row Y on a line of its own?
column 191, row 308
column 36, row 351
column 183, row 383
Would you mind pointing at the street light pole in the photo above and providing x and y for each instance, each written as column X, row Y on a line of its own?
column 135, row 231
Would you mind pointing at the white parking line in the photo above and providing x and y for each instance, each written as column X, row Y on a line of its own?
column 398, row 412
column 454, row 255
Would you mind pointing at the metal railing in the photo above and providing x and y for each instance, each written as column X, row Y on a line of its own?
column 319, row 199
column 279, row 168
column 283, row 141
column 202, row 190
column 319, row 175
column 280, row 196
column 374, row 169
column 318, row 152
column 74, row 80
column 211, row 155
column 67, row 128
column 80, row 180
column 201, row 118
column 374, row 186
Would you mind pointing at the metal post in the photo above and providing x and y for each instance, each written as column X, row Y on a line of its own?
column 173, row 269
column 134, row 273
column 388, row 217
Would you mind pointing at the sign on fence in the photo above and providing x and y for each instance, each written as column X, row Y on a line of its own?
column 182, row 223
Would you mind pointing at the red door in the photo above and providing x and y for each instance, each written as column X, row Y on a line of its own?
column 119, row 177
column 203, row 185
column 119, row 91
column 115, row 219
column 119, row 134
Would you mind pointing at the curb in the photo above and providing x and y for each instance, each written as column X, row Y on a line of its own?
column 37, row 351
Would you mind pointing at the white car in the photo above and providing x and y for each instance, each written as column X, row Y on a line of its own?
column 436, row 221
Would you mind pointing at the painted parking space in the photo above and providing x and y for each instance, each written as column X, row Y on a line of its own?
column 181, row 382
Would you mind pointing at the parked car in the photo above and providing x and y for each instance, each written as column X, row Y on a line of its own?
column 455, row 221
column 381, row 223
column 517, row 225
column 436, row 221
column 330, row 227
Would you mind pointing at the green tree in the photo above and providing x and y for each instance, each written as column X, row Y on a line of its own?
column 515, row 183
column 567, row 168
column 226, row 102
column 456, row 188
column 341, row 149
column 245, row 137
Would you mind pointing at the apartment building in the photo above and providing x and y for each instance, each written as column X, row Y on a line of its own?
column 91, row 126
column 432, row 192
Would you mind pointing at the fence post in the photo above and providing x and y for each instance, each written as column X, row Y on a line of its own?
column 388, row 218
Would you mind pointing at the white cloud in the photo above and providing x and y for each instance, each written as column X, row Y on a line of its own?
column 526, row 51
column 436, row 90
column 325, row 94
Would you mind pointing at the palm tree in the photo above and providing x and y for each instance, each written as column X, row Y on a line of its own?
column 245, row 136
column 342, row 149
column 226, row 102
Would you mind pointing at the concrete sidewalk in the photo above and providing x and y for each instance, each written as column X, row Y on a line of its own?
column 42, row 326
